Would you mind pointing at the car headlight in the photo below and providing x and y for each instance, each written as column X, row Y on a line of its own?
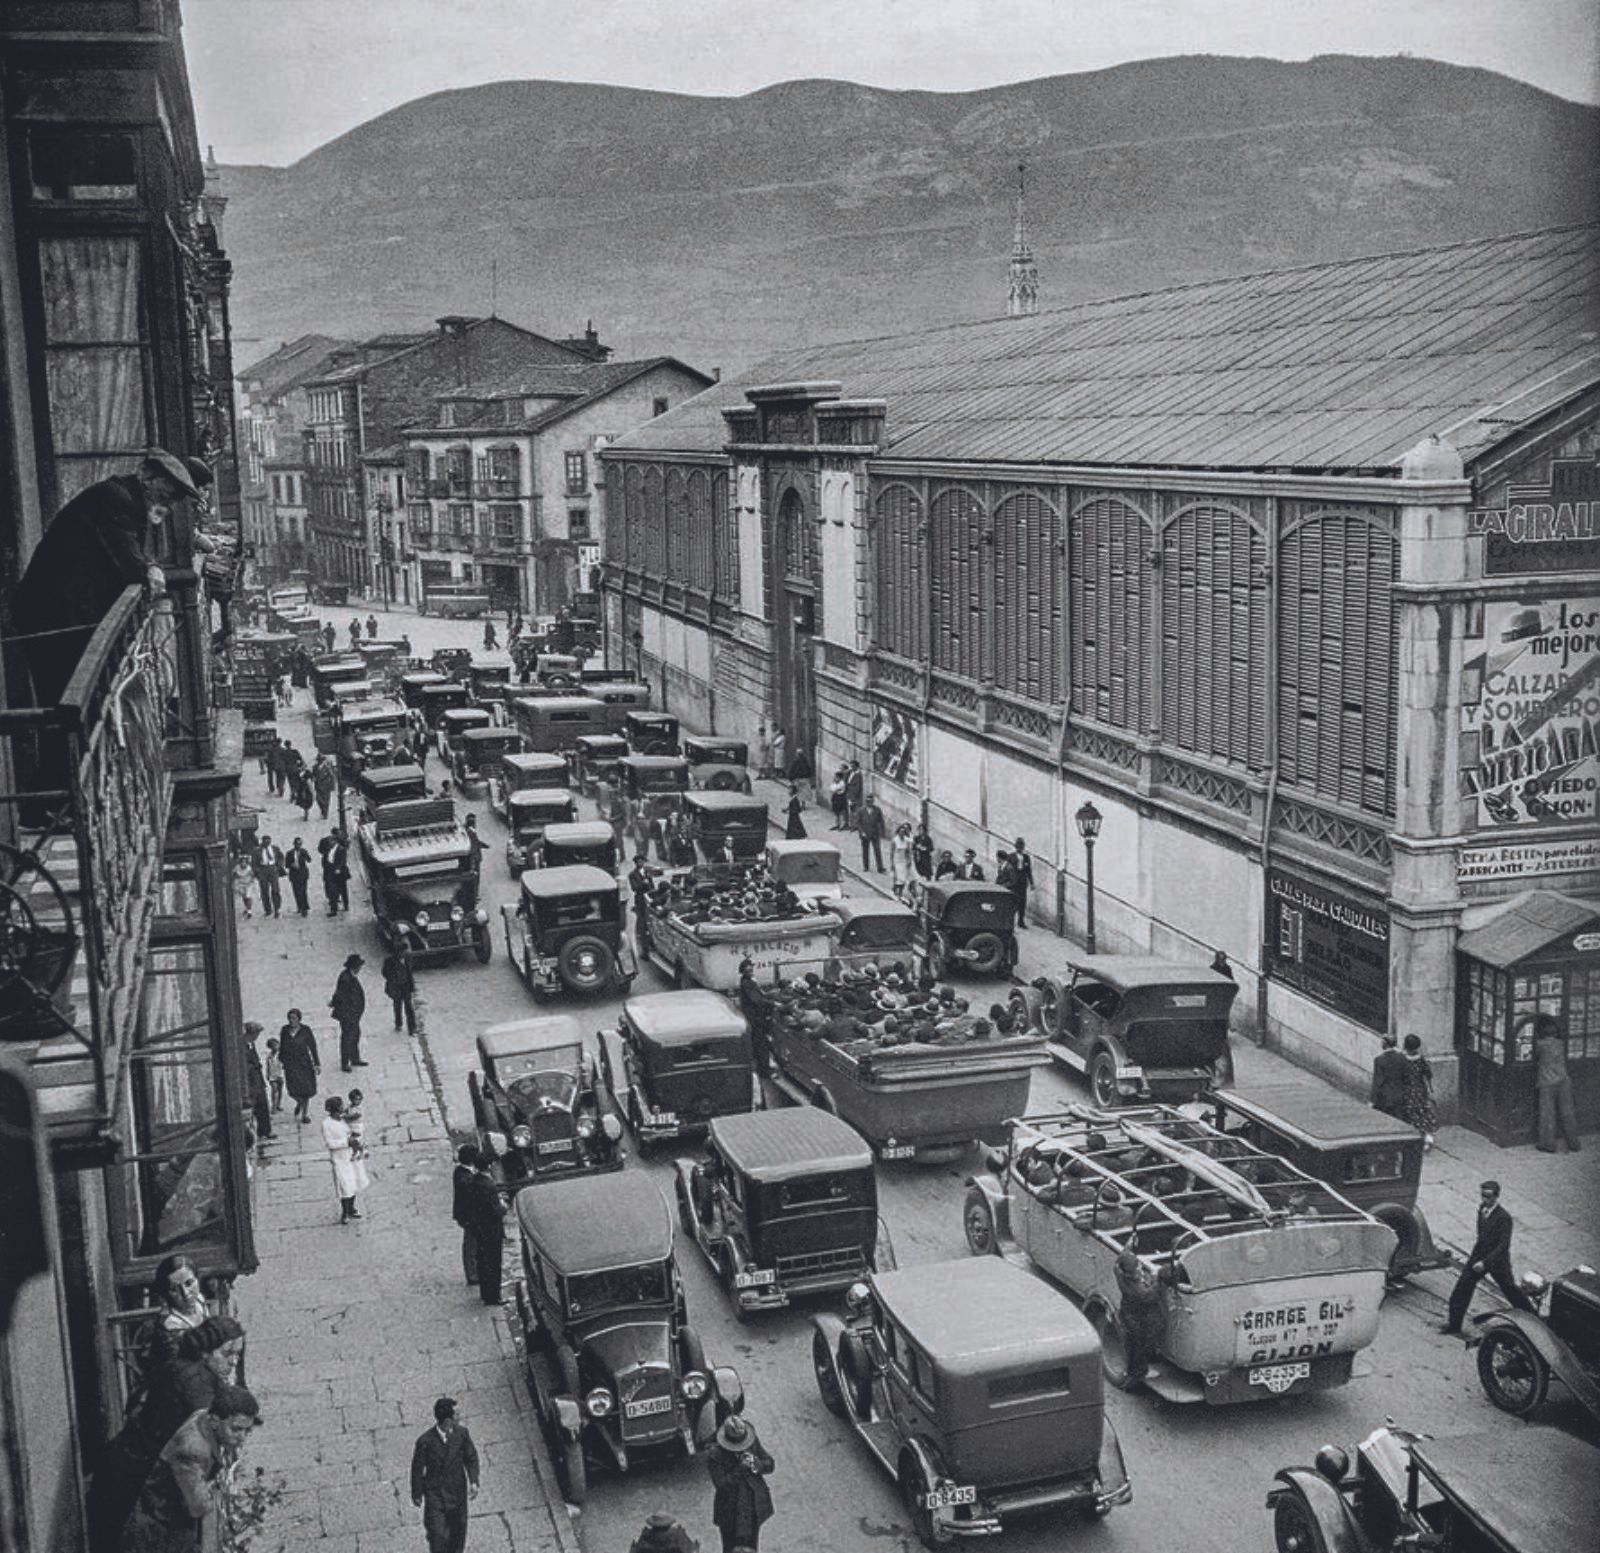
column 598, row 1403
column 480, row 915
column 694, row 1385
column 456, row 913
column 522, row 1137
column 423, row 919
column 586, row 1123
column 611, row 1127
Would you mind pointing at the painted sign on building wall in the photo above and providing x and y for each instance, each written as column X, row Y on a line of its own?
column 894, row 746
column 1330, row 945
column 1529, row 860
column 1531, row 714
column 1543, row 528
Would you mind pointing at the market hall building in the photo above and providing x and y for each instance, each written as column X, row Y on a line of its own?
column 1291, row 576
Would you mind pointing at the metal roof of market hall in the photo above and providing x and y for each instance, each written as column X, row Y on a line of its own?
column 1339, row 367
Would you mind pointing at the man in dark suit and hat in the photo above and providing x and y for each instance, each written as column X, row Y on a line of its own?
column 1491, row 1255
column 349, row 1003
column 1389, row 1079
column 444, row 1477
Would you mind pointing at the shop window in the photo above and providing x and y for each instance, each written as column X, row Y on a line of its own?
column 1486, row 1011
column 1538, row 992
column 1583, row 1015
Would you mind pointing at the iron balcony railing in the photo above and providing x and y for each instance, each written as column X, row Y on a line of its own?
column 80, row 869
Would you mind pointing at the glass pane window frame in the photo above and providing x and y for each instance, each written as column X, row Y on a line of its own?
column 577, row 471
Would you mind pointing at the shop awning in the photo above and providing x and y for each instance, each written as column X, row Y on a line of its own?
column 1526, row 926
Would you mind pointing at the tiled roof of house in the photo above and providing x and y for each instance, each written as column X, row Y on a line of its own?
column 290, row 365
column 1332, row 367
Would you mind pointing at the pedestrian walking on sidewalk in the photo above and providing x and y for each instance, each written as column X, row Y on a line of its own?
column 349, row 1003
column 780, row 753
column 490, row 641
column 461, row 1190
column 297, row 866
column 1420, row 1109
column 900, row 869
column 273, row 761
column 794, row 828
column 400, row 986
column 1557, row 1112
column 256, row 1082
column 323, row 781
column 855, row 783
column 244, row 883
column 836, row 798
column 355, row 632
column 487, row 1215
column 275, row 1075
column 922, row 852
column 1389, row 1079
column 269, row 871
column 444, row 1476
column 742, row 1502
column 297, row 1051
column 335, row 853
column 301, row 793
column 1491, row 1255
column 1021, row 878
column 349, row 1169
column 869, row 827
column 372, row 628
column 329, row 637
column 763, row 752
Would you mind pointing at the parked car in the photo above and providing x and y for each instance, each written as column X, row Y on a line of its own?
column 685, row 1058
column 1369, row 1158
column 1139, row 1028
column 595, row 760
column 968, row 926
column 527, row 814
column 651, row 733
column 564, row 932
column 718, row 764
column 617, row 1373
column 1519, row 1352
column 1532, row 1491
column 977, row 1388
column 809, row 868
column 539, row 1104
column 660, row 778
column 581, row 841
column 523, row 770
column 874, row 929
column 783, row 1204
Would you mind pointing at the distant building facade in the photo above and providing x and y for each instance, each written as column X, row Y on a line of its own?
column 1309, row 618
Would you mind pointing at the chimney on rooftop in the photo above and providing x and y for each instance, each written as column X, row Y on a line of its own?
column 453, row 324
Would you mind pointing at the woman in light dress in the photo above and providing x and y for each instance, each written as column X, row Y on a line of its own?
column 349, row 1169
column 900, row 869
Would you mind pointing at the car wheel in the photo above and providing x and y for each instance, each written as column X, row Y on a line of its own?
column 856, row 1368
column 977, row 1219
column 484, row 947
column 1024, row 1006
column 1295, row 1528
column 1113, row 1350
column 723, row 782
column 586, row 964
column 827, row 1382
column 1513, row 1372
column 914, row 1487
column 1103, row 1081
column 572, row 1472
column 988, row 951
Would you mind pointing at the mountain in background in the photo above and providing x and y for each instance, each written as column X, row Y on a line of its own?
column 718, row 229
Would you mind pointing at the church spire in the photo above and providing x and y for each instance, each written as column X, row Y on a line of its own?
column 1024, row 294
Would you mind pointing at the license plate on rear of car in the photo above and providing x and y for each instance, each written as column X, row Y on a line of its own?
column 663, row 1118
column 898, row 1151
column 940, row 1498
column 556, row 1146
column 647, row 1405
column 754, row 1278
column 1279, row 1377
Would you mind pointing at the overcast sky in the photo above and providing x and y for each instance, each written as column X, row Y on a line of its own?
column 273, row 79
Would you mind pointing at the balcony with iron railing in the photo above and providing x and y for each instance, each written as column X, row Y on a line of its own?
column 504, row 488
column 80, row 868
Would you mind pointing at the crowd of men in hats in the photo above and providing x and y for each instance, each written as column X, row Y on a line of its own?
column 749, row 895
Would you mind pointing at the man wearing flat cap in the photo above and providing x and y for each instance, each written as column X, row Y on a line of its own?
column 349, row 1003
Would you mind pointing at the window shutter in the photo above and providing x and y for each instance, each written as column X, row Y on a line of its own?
column 1111, row 612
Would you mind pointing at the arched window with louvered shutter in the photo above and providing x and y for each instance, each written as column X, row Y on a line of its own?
column 677, row 521
column 955, row 533
column 900, row 574
column 1214, row 622
column 655, row 523
column 1336, row 655
column 633, row 517
column 699, row 510
column 1111, row 613
column 1027, row 597
column 725, row 541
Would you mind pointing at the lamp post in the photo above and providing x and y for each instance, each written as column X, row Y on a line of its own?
column 1087, row 820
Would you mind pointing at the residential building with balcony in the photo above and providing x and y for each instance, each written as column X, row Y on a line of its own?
column 121, row 1057
column 372, row 390
column 502, row 490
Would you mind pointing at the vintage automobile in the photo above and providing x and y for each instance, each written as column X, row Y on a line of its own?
column 1139, row 1029
column 618, row 1375
column 685, row 1058
column 1519, row 1352
column 380, row 785
column 444, row 695
column 1373, row 1160
column 974, row 1428
column 1271, row 1282
column 334, row 669
column 651, row 733
column 539, row 1104
column 556, row 670
column 653, row 776
column 581, row 841
column 564, row 932
column 726, row 826
column 422, row 878
column 359, row 733
column 453, row 724
column 810, row 868
column 909, row 1100
column 873, row 929
column 618, row 697
column 718, row 764
column 967, row 926
column 528, row 811
column 554, row 724
column 596, row 760
column 520, row 771
column 412, row 685
column 783, row 1203
column 490, row 677
column 386, row 660
column 1532, row 1491
column 452, row 662
column 478, row 754
column 694, row 953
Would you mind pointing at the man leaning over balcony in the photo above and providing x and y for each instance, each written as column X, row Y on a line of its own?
column 97, row 545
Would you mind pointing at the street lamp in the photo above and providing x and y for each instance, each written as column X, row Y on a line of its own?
column 1087, row 820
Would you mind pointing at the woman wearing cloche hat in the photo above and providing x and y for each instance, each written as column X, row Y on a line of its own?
column 738, row 1464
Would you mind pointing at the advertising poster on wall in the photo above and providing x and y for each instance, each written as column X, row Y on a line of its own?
column 1531, row 714
column 895, row 746
column 1330, row 945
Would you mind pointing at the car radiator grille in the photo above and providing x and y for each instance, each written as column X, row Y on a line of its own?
column 838, row 1263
